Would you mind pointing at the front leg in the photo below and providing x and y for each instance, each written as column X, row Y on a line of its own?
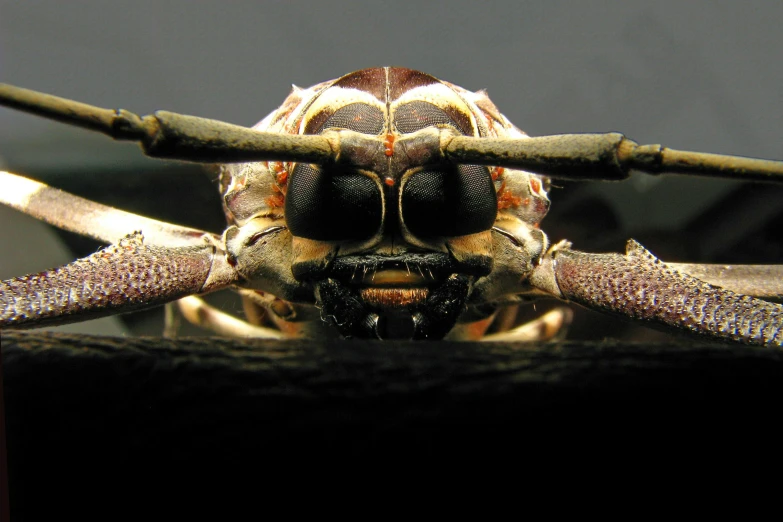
column 121, row 278
column 639, row 286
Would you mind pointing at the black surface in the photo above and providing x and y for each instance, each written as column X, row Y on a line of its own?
column 139, row 422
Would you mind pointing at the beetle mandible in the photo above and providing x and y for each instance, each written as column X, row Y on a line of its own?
column 383, row 204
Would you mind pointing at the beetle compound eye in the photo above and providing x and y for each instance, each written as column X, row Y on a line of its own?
column 332, row 206
column 358, row 117
column 417, row 115
column 449, row 202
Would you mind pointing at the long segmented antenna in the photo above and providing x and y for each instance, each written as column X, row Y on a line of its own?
column 607, row 156
column 170, row 135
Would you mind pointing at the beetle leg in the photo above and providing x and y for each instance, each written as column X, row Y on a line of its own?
column 551, row 325
column 639, row 286
column 764, row 281
column 121, row 278
column 88, row 218
column 196, row 311
column 172, row 320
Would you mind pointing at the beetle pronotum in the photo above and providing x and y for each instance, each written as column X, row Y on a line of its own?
column 385, row 203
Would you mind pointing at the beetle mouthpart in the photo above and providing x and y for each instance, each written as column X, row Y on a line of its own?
column 345, row 310
column 394, row 277
column 394, row 289
column 439, row 313
column 401, row 270
column 433, row 315
column 393, row 297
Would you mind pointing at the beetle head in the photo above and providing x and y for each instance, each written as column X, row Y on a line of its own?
column 390, row 234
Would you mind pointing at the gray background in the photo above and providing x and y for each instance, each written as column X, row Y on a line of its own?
column 693, row 75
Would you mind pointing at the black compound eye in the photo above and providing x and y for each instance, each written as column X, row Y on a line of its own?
column 332, row 206
column 449, row 203
column 417, row 115
column 358, row 117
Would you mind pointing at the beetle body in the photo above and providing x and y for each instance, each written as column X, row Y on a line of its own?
column 383, row 204
column 391, row 232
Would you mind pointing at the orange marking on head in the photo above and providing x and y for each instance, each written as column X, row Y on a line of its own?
column 281, row 173
column 276, row 200
column 490, row 121
column 506, row 199
column 525, row 202
column 496, row 173
column 535, row 186
column 389, row 145
column 389, row 181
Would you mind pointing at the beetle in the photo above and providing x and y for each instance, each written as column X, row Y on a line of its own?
column 382, row 204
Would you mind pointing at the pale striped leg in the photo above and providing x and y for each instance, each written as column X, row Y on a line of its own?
column 551, row 325
column 196, row 311
column 88, row 218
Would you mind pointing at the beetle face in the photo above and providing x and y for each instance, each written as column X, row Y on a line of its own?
column 396, row 237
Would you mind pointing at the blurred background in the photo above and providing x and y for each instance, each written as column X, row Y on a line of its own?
column 702, row 76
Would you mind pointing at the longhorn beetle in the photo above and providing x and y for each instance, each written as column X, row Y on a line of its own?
column 383, row 204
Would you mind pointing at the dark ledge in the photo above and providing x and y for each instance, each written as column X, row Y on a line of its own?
column 89, row 412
